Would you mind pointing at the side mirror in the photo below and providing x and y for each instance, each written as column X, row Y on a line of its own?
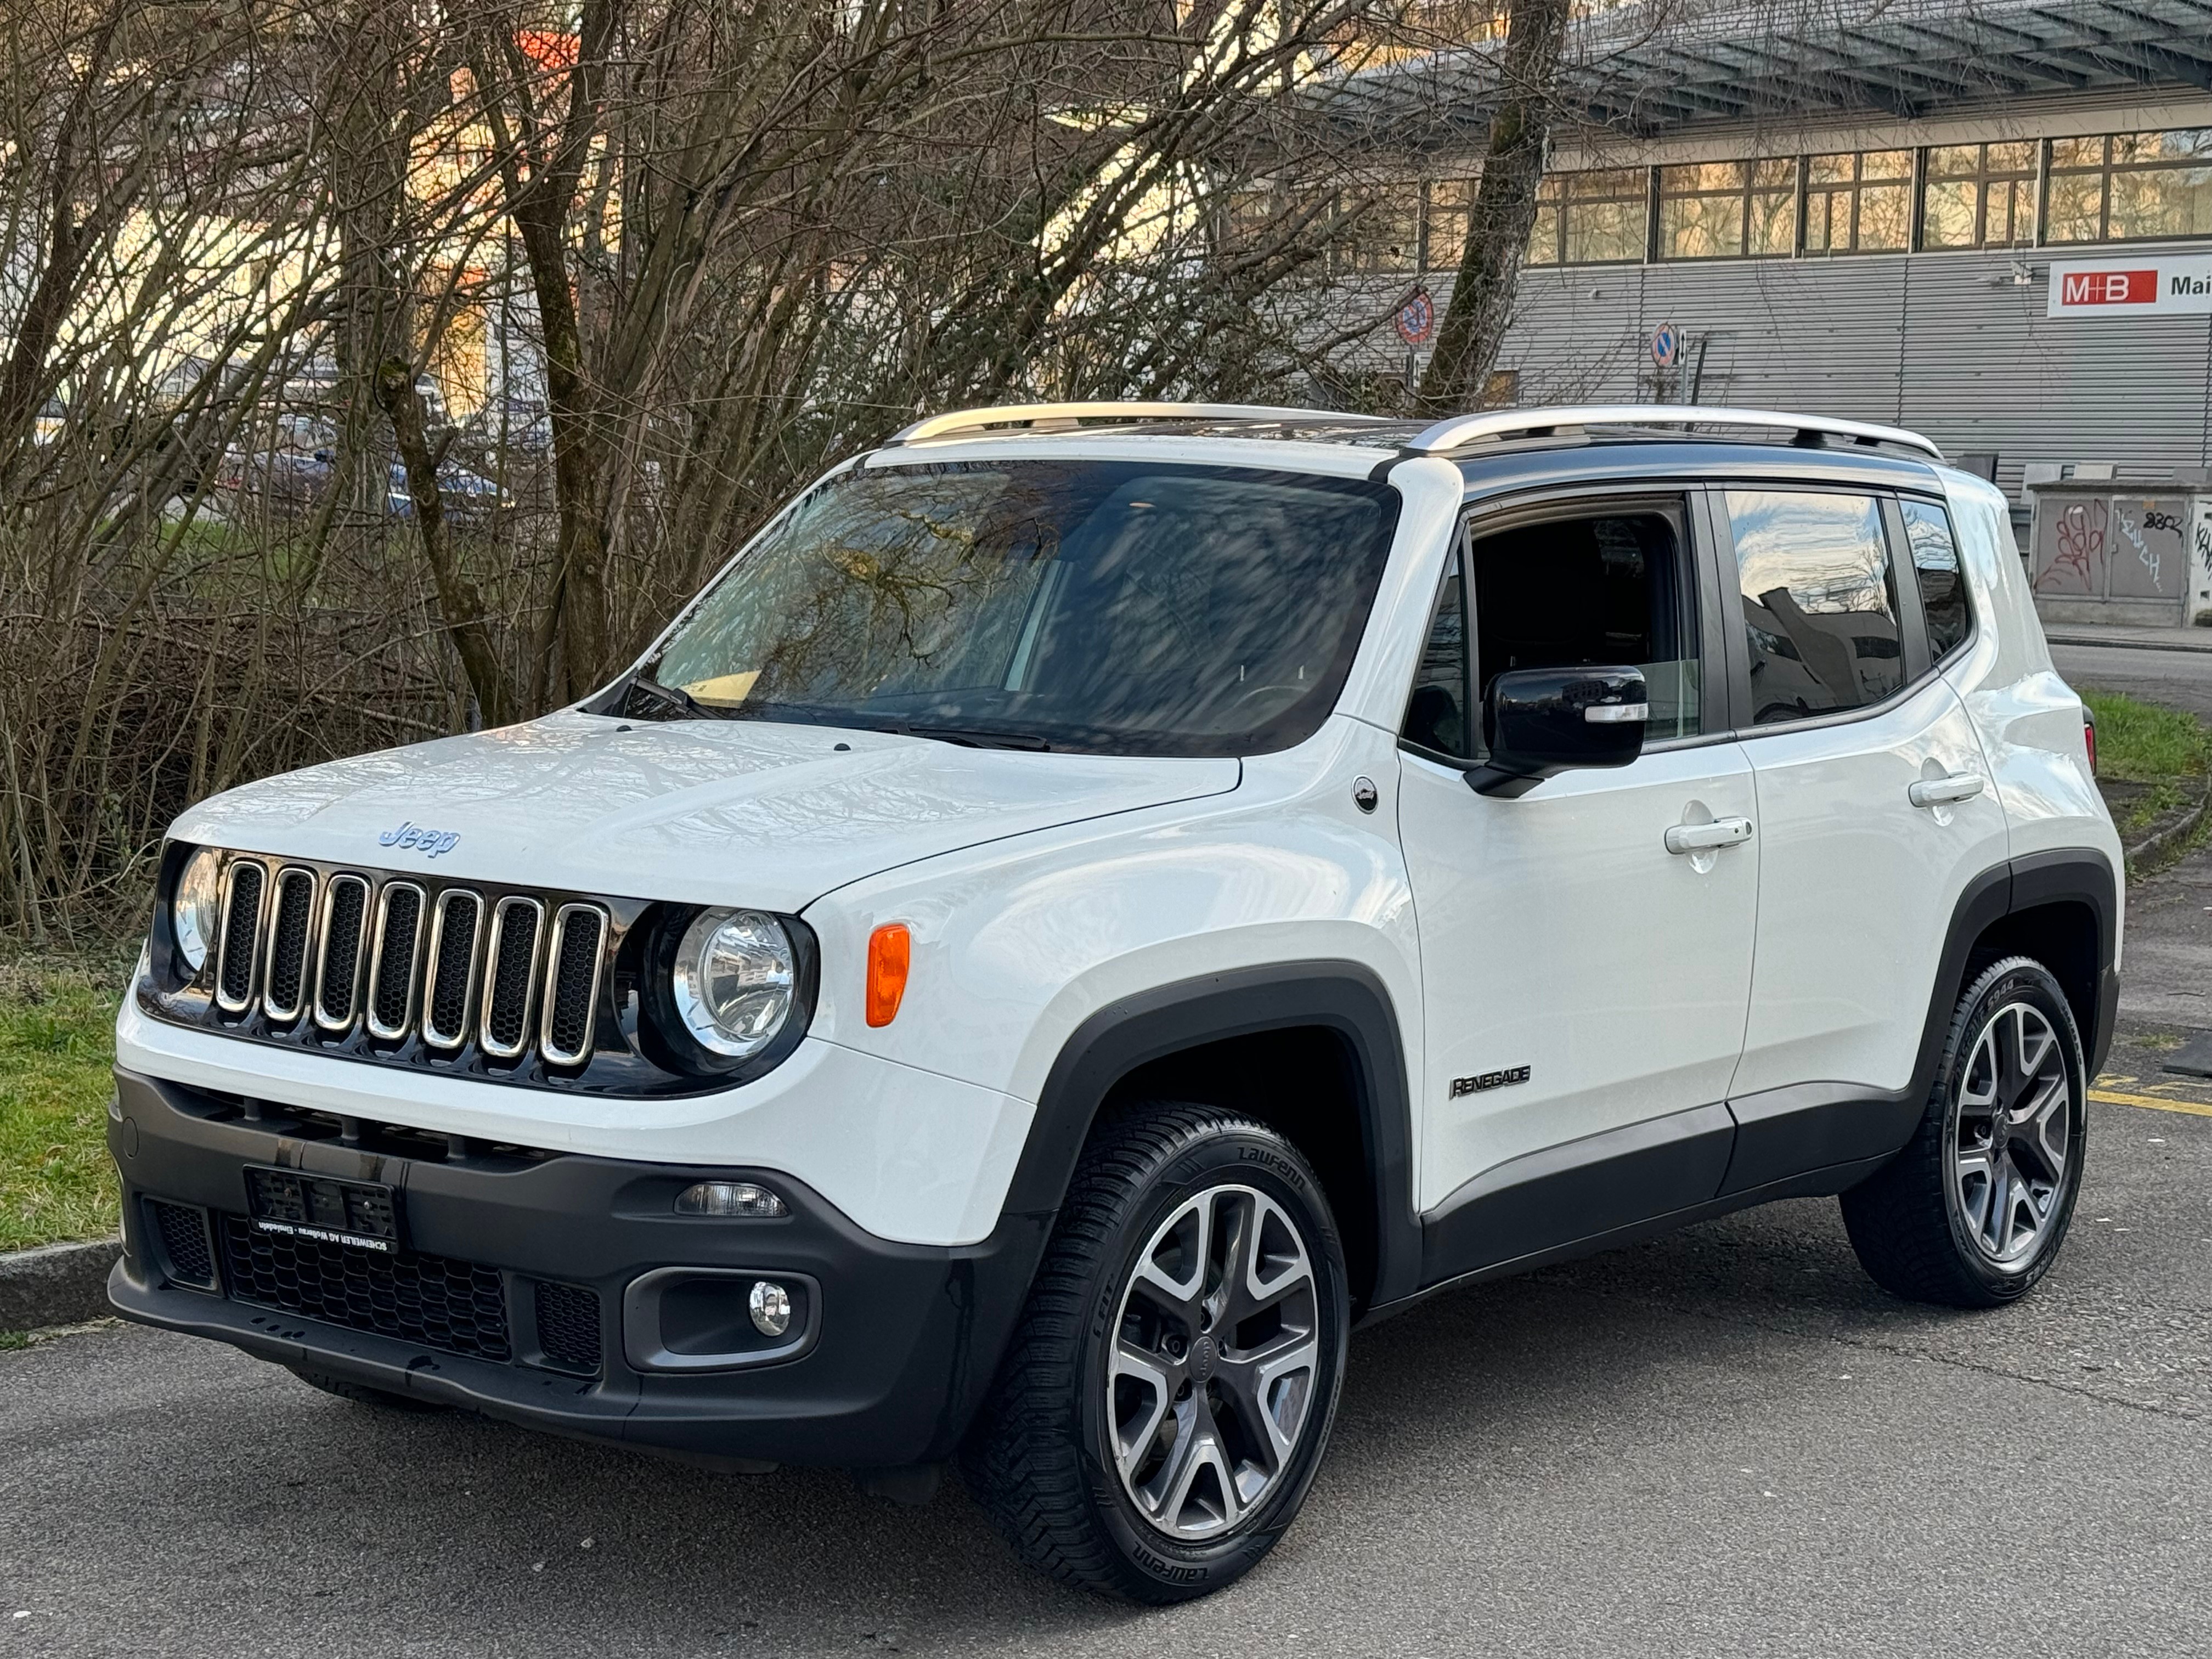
column 1543, row 721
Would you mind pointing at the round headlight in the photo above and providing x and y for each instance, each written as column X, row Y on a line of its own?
column 735, row 981
column 195, row 912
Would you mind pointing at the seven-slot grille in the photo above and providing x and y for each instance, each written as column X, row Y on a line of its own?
column 450, row 968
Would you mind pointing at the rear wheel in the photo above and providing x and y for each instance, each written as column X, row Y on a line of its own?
column 1972, row 1212
column 1166, row 1397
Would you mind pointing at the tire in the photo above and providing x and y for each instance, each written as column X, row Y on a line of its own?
column 1085, row 1474
column 362, row 1394
column 1972, row 1212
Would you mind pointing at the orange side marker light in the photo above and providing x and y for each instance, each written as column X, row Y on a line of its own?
column 891, row 949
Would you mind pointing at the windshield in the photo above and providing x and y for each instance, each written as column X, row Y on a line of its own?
column 1109, row 607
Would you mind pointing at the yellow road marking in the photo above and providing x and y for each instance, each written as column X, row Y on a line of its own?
column 2156, row 1102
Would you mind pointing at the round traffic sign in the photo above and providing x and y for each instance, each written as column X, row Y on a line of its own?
column 1417, row 318
column 1666, row 345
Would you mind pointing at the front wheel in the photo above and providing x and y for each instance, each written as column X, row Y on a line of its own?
column 1972, row 1212
column 1166, row 1397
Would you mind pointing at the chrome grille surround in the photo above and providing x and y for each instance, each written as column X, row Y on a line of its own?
column 238, row 946
column 497, row 999
column 408, row 898
column 520, row 986
column 445, row 928
column 352, row 892
column 560, row 992
column 286, row 976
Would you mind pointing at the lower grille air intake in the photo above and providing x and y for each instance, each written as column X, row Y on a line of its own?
column 511, row 977
column 234, row 972
column 338, row 979
column 569, row 1327
column 456, row 1307
column 285, row 996
column 392, row 960
column 182, row 1232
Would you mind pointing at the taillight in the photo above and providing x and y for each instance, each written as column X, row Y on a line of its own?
column 2089, row 737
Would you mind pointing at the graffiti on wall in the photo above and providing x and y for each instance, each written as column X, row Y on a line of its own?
column 2114, row 547
column 2077, row 565
column 2149, row 558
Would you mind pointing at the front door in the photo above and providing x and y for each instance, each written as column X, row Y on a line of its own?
column 1585, row 973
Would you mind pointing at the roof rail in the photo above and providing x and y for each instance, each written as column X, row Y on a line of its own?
column 1462, row 429
column 967, row 420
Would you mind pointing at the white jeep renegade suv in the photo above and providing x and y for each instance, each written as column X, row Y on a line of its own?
column 1094, row 902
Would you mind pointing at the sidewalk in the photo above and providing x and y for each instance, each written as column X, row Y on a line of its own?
column 2129, row 639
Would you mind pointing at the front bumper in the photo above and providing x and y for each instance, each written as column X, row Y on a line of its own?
column 904, row 1337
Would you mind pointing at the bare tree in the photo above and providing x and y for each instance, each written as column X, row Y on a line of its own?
column 1503, row 210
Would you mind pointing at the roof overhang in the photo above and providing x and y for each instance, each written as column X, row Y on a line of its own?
column 1797, row 64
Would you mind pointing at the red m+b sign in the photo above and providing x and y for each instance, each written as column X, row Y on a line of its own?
column 2108, row 287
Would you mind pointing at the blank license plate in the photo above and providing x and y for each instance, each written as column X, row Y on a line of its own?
column 357, row 1214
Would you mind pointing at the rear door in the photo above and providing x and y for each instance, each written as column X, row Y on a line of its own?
column 1585, row 985
column 1875, row 811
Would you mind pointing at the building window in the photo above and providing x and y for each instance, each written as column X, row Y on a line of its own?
column 1249, row 217
column 1385, row 229
column 2130, row 186
column 1858, row 203
column 1979, row 196
column 1727, row 210
column 1591, row 218
column 1449, row 201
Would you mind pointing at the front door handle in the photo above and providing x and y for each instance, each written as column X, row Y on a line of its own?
column 1704, row 837
column 1945, row 792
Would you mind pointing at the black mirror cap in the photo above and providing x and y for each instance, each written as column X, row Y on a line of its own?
column 1544, row 721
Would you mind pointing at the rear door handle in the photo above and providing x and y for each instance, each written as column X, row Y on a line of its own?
column 1703, row 837
column 1945, row 792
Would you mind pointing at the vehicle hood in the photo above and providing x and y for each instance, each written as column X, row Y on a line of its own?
column 708, row 813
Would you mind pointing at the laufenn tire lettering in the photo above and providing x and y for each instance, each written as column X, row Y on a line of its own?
column 1476, row 1085
column 1152, row 1562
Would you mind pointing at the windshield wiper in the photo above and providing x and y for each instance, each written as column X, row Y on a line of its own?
column 671, row 696
column 979, row 737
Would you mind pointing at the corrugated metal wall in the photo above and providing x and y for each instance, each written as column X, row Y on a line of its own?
column 1949, row 343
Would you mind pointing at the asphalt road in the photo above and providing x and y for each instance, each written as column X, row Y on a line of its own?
column 1728, row 1441
column 2167, row 953
column 2181, row 679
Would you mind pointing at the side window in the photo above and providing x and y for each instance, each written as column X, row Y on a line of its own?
column 1604, row 590
column 1820, row 601
column 1435, row 715
column 1942, row 587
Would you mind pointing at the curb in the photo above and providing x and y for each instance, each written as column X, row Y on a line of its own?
column 56, row 1284
column 2062, row 638
column 2161, row 840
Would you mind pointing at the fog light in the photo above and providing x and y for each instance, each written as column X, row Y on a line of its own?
column 730, row 1198
column 771, row 1307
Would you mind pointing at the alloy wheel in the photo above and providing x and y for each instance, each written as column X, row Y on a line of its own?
column 1211, row 1375
column 2012, row 1135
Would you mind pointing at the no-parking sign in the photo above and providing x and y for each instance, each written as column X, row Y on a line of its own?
column 1666, row 345
column 1417, row 318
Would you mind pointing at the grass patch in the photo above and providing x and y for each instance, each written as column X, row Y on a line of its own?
column 57, row 1044
column 2162, row 750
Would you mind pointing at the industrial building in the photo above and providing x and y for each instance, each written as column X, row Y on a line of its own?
column 1991, row 224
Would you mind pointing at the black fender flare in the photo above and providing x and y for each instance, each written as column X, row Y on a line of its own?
column 1345, row 997
column 2078, row 875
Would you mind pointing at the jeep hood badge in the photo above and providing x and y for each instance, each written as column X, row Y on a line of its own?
column 433, row 842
